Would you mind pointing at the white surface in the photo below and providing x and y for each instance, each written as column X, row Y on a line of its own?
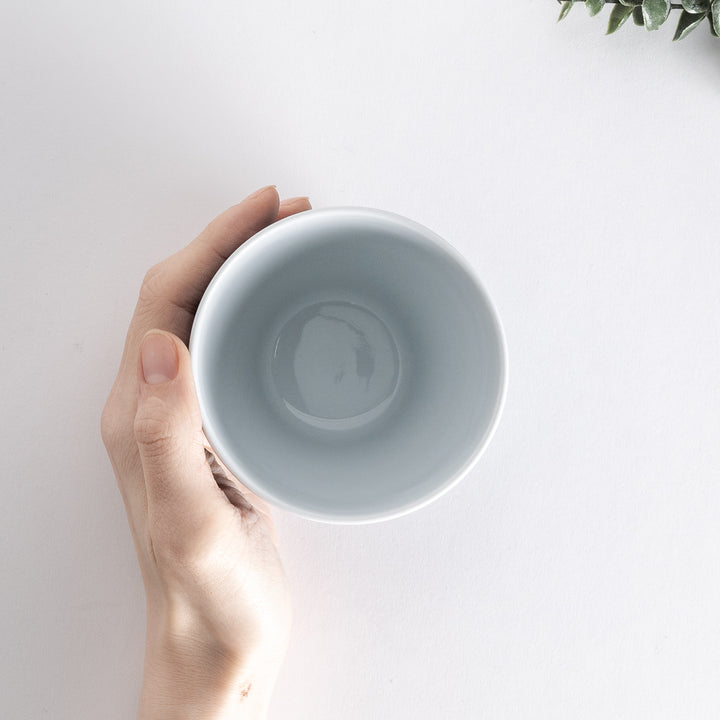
column 576, row 572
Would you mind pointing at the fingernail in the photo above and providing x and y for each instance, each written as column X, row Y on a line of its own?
column 159, row 358
column 259, row 192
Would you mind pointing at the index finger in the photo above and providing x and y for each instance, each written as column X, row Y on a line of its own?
column 173, row 288
column 190, row 270
column 186, row 274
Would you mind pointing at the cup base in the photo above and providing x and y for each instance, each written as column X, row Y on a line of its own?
column 335, row 366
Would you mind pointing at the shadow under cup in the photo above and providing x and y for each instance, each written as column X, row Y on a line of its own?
column 349, row 366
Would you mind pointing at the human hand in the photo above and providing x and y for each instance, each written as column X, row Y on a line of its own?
column 218, row 606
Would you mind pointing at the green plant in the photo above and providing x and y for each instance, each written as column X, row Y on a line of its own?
column 653, row 13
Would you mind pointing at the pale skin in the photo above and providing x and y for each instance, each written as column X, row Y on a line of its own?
column 218, row 605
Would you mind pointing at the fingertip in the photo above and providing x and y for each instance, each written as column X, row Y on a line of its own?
column 294, row 205
column 302, row 201
column 239, row 222
column 261, row 191
column 266, row 196
column 255, row 202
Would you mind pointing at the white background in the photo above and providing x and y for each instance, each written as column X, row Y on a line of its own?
column 576, row 572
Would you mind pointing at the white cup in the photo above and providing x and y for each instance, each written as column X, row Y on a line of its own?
column 349, row 365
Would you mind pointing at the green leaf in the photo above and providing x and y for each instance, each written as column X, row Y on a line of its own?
column 566, row 8
column 715, row 16
column 655, row 12
column 712, row 27
column 630, row 3
column 638, row 18
column 688, row 22
column 618, row 16
column 594, row 6
column 696, row 6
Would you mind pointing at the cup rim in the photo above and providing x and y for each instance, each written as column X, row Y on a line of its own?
column 246, row 478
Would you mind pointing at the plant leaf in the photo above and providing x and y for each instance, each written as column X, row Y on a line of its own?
column 638, row 18
column 656, row 12
column 566, row 8
column 618, row 16
column 696, row 6
column 715, row 12
column 688, row 22
column 594, row 6
column 630, row 3
column 712, row 27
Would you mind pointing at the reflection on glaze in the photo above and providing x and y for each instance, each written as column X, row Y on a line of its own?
column 335, row 365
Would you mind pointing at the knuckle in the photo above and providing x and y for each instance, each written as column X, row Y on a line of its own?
column 117, row 436
column 114, row 428
column 152, row 429
column 153, row 282
column 109, row 426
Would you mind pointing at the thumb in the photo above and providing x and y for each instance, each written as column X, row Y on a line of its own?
column 168, row 430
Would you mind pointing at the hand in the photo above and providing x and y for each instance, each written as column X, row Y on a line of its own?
column 218, row 606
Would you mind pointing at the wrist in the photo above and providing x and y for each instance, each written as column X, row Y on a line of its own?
column 183, row 679
column 202, row 690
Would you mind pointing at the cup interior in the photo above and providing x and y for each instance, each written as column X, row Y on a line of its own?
column 349, row 366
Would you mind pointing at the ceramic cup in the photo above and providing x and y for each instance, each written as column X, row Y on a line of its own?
column 349, row 365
